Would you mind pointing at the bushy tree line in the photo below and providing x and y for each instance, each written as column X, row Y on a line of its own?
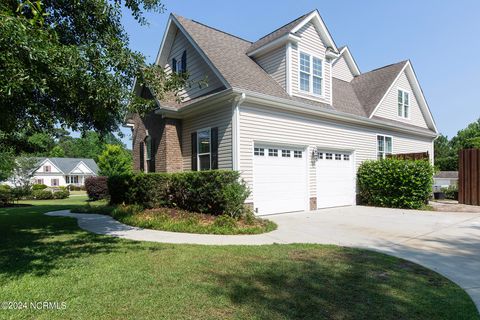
column 446, row 151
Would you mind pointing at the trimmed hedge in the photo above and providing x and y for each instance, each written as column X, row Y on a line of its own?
column 395, row 183
column 215, row 192
column 39, row 186
column 96, row 188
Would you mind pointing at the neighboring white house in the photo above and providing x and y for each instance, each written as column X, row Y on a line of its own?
column 55, row 172
column 444, row 179
column 291, row 112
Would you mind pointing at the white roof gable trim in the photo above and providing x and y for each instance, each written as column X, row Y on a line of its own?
column 317, row 20
column 78, row 165
column 50, row 163
column 422, row 102
column 352, row 65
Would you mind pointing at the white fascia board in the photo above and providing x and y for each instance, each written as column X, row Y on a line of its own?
column 331, row 114
column 274, row 44
column 318, row 21
column 164, row 39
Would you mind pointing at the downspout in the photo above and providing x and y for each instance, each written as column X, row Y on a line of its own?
column 237, row 101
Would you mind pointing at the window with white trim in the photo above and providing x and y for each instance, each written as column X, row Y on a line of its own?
column 54, row 182
column 47, row 169
column 286, row 153
column 259, row 151
column 320, row 155
column 384, row 146
column 297, row 154
column 311, row 74
column 346, row 157
column 328, row 156
column 403, row 104
column 273, row 152
column 204, row 150
column 338, row 156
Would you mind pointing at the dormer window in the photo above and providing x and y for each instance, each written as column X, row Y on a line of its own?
column 403, row 104
column 311, row 74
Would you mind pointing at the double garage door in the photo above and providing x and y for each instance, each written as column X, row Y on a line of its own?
column 280, row 177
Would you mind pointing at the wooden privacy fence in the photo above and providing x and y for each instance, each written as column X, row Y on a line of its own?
column 410, row 156
column 469, row 177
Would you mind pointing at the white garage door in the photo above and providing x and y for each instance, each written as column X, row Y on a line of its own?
column 279, row 179
column 335, row 179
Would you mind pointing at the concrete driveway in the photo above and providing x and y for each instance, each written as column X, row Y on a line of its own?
column 448, row 243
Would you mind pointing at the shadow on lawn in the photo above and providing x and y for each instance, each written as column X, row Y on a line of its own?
column 346, row 285
column 33, row 243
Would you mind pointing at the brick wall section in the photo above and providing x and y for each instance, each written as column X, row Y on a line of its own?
column 165, row 134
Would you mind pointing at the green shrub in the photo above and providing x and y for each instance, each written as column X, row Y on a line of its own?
column 21, row 192
column 73, row 187
column 215, row 192
column 97, row 188
column 42, row 194
column 118, row 188
column 451, row 192
column 61, row 194
column 395, row 183
column 39, row 186
column 6, row 196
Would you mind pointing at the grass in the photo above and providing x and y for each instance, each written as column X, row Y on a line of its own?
column 46, row 258
column 176, row 220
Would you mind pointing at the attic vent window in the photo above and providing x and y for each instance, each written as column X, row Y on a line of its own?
column 180, row 65
column 311, row 74
column 403, row 104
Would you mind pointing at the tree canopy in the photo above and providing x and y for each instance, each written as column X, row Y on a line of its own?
column 68, row 63
column 446, row 151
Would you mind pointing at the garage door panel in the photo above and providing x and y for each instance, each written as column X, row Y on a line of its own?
column 280, row 182
column 335, row 179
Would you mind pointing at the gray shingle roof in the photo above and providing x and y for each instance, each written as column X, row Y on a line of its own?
column 228, row 54
column 68, row 164
column 447, row 175
column 371, row 86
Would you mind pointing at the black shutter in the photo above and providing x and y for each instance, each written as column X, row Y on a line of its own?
column 184, row 61
column 142, row 157
column 194, row 151
column 152, row 156
column 214, row 142
column 174, row 65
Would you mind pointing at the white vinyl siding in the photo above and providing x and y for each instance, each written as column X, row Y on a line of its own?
column 310, row 44
column 269, row 125
column 274, row 63
column 217, row 116
column 197, row 68
column 340, row 70
column 389, row 107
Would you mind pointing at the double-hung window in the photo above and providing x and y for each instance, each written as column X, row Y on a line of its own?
column 403, row 104
column 204, row 150
column 311, row 74
column 384, row 146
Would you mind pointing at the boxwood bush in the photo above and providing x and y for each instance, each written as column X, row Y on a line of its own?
column 96, row 188
column 395, row 183
column 215, row 192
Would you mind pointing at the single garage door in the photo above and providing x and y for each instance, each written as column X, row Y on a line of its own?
column 279, row 179
column 335, row 179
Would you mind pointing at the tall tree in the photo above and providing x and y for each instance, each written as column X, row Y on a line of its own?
column 115, row 161
column 446, row 158
column 468, row 137
column 68, row 63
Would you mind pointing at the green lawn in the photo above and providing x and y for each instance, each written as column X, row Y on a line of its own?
column 50, row 259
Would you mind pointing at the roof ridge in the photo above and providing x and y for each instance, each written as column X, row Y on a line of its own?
column 210, row 27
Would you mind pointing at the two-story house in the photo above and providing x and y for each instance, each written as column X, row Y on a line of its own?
column 291, row 111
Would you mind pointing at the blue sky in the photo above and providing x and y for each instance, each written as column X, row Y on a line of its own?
column 441, row 38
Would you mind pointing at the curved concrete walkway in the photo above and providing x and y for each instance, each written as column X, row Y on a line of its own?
column 448, row 243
